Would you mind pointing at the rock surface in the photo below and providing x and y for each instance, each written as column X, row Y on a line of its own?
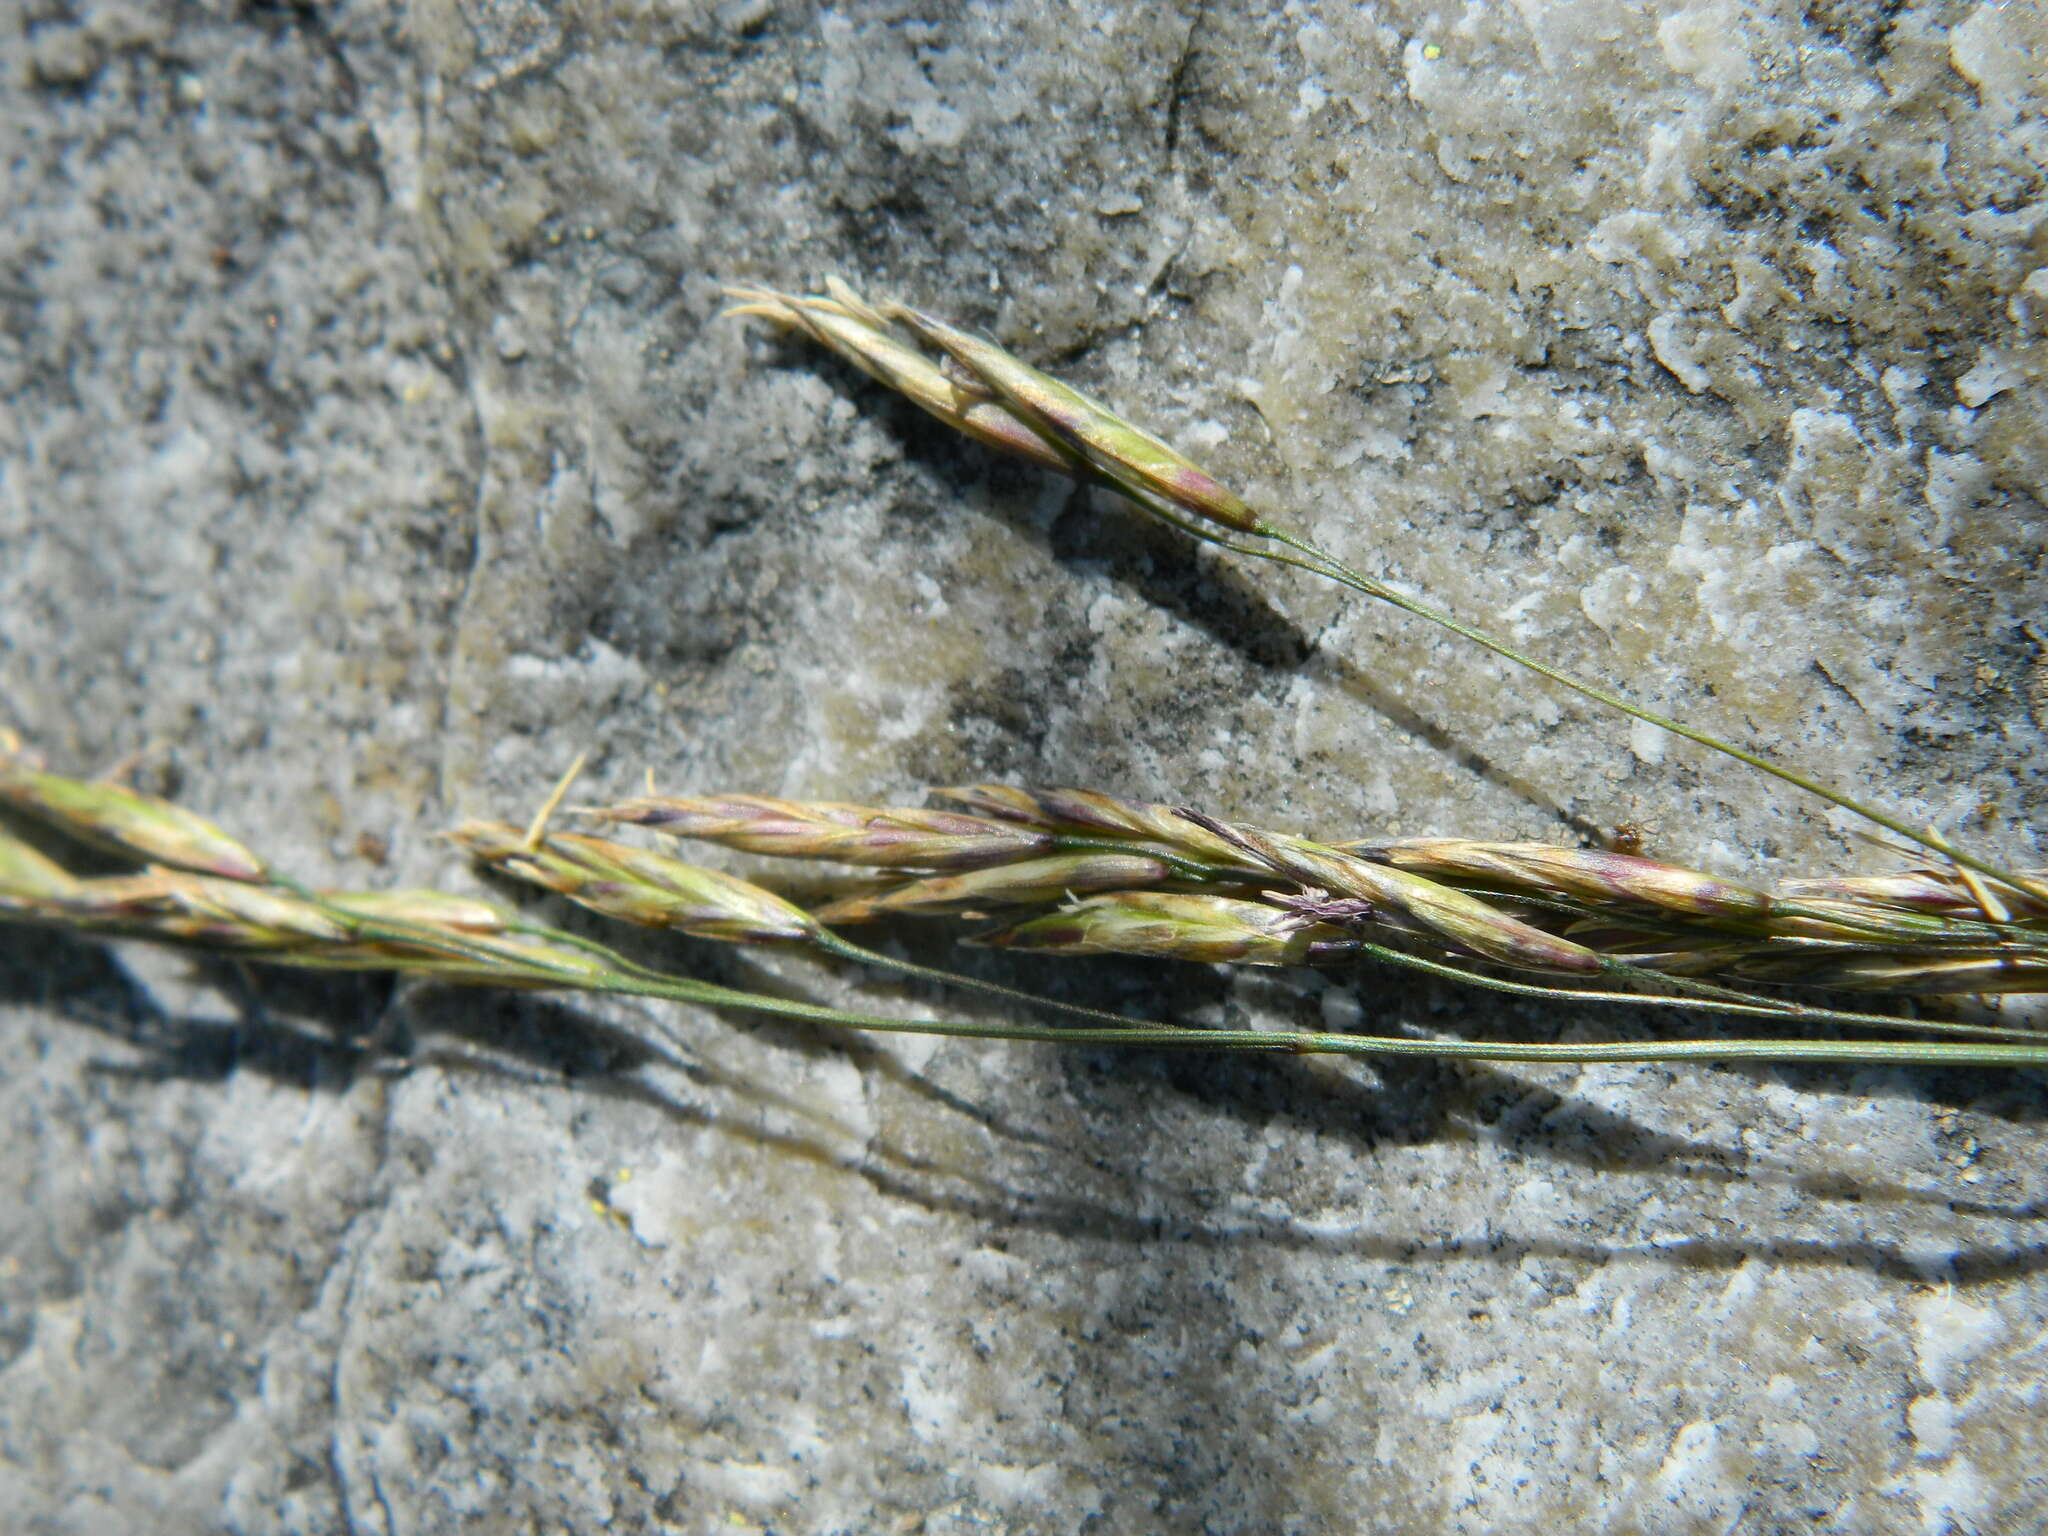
column 372, row 447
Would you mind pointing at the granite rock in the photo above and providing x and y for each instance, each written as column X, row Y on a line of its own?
column 373, row 446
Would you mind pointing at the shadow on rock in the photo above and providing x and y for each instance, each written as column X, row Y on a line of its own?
column 322, row 1031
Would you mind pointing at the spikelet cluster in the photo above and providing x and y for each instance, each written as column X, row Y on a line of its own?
column 1140, row 878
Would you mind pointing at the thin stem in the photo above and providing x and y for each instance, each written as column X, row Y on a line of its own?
column 1174, row 1037
column 1321, row 563
column 832, row 944
column 628, row 979
column 1708, row 999
column 1754, row 1008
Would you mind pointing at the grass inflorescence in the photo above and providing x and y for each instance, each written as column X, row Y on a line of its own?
column 1073, row 872
column 1176, row 885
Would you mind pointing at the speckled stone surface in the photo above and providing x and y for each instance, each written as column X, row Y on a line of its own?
column 371, row 447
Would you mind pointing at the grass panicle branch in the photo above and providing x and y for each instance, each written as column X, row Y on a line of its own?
column 1086, row 439
column 1528, row 906
column 265, row 917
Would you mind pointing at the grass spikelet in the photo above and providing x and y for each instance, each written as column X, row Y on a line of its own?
column 435, row 909
column 842, row 834
column 845, row 325
column 638, row 886
column 1023, row 883
column 1927, row 889
column 1438, row 910
column 125, row 821
column 1086, row 816
column 264, row 916
column 1168, row 926
column 1116, row 450
column 1588, row 873
column 27, row 875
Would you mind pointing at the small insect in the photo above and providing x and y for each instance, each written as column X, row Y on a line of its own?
column 373, row 848
column 1628, row 838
